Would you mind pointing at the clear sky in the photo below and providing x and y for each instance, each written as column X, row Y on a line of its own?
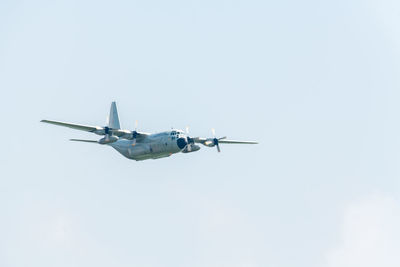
column 315, row 82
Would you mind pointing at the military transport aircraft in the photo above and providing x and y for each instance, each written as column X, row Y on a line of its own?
column 140, row 145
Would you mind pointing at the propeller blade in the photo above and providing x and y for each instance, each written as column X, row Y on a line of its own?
column 213, row 131
column 216, row 143
column 215, row 140
column 187, row 129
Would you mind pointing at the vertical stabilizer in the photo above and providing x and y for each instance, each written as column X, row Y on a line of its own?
column 113, row 120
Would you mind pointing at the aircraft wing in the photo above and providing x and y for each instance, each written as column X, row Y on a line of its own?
column 236, row 142
column 127, row 134
column 141, row 136
column 222, row 141
column 81, row 127
column 200, row 140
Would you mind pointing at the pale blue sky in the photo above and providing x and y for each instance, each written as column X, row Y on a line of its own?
column 316, row 82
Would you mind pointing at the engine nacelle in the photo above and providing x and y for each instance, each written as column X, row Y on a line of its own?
column 108, row 140
column 209, row 142
column 193, row 148
column 99, row 131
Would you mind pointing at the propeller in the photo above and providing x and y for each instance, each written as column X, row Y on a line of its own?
column 108, row 134
column 134, row 134
column 107, row 129
column 216, row 140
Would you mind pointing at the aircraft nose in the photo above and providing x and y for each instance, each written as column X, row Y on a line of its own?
column 181, row 142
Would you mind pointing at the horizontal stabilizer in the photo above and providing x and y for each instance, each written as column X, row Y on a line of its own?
column 83, row 140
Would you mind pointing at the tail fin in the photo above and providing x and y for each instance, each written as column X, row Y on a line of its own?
column 113, row 120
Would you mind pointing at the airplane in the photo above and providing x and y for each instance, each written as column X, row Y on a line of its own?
column 138, row 146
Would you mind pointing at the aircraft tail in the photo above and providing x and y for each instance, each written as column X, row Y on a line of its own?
column 113, row 120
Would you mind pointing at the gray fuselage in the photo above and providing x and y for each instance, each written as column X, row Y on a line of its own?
column 154, row 146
